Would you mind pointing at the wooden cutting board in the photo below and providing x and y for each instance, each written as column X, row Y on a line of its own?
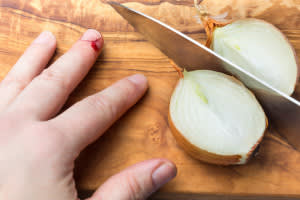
column 143, row 133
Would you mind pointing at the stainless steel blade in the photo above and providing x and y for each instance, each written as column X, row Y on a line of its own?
column 284, row 111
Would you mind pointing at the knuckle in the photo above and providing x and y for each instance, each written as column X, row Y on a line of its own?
column 54, row 76
column 102, row 102
column 49, row 139
column 6, row 125
column 135, row 189
column 14, row 82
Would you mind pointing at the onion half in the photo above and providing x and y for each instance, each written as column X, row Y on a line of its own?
column 261, row 49
column 215, row 118
column 255, row 45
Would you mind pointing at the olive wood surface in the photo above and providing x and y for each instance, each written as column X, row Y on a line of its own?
column 144, row 133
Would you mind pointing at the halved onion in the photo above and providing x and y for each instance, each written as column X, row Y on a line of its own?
column 215, row 118
column 255, row 45
column 259, row 48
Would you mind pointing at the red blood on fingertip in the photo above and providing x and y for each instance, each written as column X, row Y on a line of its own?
column 95, row 44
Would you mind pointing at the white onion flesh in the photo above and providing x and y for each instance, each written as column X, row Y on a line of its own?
column 217, row 114
column 259, row 48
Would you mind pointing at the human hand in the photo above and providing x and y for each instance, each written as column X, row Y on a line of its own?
column 38, row 147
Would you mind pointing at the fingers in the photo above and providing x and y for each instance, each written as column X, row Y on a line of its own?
column 46, row 94
column 31, row 63
column 85, row 121
column 138, row 181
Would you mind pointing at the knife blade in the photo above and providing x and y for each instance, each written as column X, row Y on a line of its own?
column 283, row 110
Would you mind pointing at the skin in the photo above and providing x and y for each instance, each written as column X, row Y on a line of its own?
column 38, row 147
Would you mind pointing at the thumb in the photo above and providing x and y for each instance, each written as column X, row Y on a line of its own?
column 138, row 181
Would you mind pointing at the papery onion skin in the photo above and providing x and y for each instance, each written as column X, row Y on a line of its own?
column 209, row 157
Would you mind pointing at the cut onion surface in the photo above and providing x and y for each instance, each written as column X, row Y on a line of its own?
column 215, row 118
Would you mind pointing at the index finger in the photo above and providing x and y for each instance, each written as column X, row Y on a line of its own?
column 47, row 93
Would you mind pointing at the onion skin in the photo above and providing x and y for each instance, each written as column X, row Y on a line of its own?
column 209, row 157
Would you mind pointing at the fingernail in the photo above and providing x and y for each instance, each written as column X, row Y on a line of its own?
column 94, row 37
column 44, row 38
column 138, row 79
column 91, row 35
column 163, row 174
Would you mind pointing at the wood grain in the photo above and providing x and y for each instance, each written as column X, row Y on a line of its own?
column 144, row 132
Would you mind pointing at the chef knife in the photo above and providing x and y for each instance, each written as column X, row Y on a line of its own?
column 283, row 110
